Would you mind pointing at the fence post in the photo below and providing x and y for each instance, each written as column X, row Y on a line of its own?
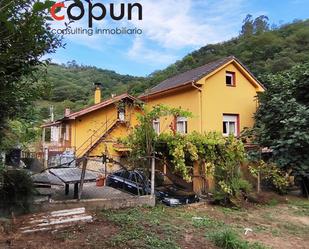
column 153, row 167
column 82, row 178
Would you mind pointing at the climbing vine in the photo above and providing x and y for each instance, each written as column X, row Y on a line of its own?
column 143, row 140
column 221, row 156
column 211, row 149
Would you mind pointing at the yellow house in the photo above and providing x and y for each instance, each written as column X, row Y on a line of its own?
column 221, row 96
column 91, row 132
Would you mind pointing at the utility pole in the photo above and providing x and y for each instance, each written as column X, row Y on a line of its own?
column 51, row 111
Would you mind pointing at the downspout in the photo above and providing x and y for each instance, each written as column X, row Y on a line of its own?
column 200, row 104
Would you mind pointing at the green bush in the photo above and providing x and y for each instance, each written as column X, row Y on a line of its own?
column 228, row 239
column 232, row 192
column 270, row 173
column 16, row 191
column 240, row 185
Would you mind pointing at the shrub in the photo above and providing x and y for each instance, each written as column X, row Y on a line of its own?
column 240, row 185
column 16, row 191
column 232, row 192
column 228, row 239
column 270, row 173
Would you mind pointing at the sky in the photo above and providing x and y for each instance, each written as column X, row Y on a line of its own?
column 170, row 30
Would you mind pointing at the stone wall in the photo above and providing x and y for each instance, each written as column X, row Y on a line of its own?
column 113, row 203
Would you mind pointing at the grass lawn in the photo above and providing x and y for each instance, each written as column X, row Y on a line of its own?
column 276, row 225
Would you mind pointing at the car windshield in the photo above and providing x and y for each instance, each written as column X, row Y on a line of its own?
column 160, row 178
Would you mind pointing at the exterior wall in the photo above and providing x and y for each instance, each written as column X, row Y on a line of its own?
column 85, row 126
column 219, row 99
column 188, row 100
column 215, row 99
column 93, row 204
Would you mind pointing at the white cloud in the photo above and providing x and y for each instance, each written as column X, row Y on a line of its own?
column 174, row 25
column 140, row 51
column 169, row 27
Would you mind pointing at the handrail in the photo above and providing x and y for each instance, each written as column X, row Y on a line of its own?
column 94, row 137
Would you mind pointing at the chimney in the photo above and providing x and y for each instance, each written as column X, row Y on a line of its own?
column 97, row 93
column 67, row 112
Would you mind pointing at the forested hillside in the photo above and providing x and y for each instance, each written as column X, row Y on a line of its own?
column 71, row 85
column 263, row 49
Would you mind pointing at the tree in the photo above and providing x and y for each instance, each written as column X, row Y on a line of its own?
column 143, row 139
column 256, row 26
column 220, row 156
column 247, row 27
column 261, row 24
column 24, row 38
column 282, row 120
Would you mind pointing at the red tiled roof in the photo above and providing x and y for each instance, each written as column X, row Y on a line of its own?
column 91, row 109
column 100, row 105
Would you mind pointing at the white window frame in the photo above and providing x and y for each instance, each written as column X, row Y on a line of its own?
column 55, row 133
column 67, row 132
column 228, row 119
column 232, row 75
column 182, row 125
column 121, row 115
column 156, row 125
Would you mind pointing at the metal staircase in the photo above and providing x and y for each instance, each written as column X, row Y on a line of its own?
column 96, row 138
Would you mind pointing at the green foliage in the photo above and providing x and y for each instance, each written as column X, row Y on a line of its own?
column 270, row 172
column 73, row 82
column 239, row 185
column 16, row 191
column 25, row 38
column 153, row 242
column 143, row 139
column 256, row 26
column 231, row 191
column 300, row 207
column 221, row 156
column 262, row 50
column 282, row 119
column 228, row 239
column 20, row 132
column 208, row 223
column 177, row 148
column 139, row 227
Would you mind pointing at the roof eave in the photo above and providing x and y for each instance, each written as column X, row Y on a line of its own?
column 165, row 91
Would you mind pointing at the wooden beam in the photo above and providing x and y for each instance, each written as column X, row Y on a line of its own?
column 82, row 177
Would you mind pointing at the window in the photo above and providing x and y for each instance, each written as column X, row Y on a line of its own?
column 182, row 125
column 126, row 174
column 156, row 125
column 230, row 125
column 55, row 130
column 121, row 113
column 67, row 132
column 230, row 78
column 118, row 173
